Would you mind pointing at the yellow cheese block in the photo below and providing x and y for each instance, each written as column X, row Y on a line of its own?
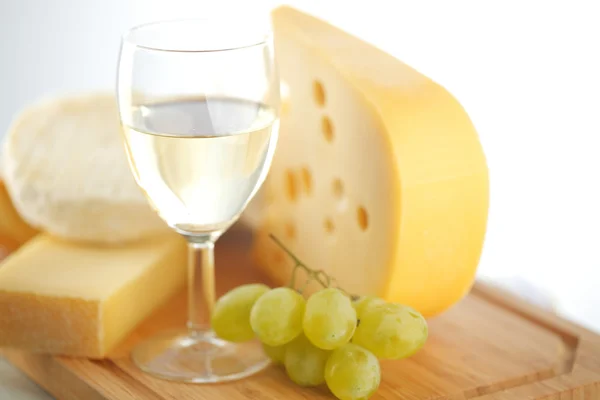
column 379, row 177
column 62, row 298
column 12, row 226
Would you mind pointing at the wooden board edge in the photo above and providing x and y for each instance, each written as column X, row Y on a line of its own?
column 576, row 375
column 44, row 369
column 532, row 312
column 85, row 377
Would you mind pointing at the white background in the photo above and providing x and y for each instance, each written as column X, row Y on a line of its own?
column 527, row 72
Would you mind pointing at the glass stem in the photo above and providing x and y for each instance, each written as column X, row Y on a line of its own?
column 201, row 265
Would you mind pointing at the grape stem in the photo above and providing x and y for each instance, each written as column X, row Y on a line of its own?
column 313, row 274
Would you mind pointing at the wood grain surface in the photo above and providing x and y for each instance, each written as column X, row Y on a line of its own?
column 490, row 346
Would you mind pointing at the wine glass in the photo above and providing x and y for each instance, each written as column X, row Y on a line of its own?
column 199, row 108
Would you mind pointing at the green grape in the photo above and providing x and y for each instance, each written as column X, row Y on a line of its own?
column 391, row 331
column 352, row 373
column 330, row 319
column 276, row 317
column 305, row 363
column 364, row 302
column 230, row 319
column 275, row 353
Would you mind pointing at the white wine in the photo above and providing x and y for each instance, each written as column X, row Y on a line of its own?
column 200, row 161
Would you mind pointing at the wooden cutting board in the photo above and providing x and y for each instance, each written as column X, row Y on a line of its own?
column 490, row 346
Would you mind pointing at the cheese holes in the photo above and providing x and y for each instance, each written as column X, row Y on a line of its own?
column 278, row 257
column 291, row 186
column 338, row 189
column 363, row 218
column 307, row 181
column 290, row 231
column 320, row 99
column 327, row 128
column 328, row 225
column 319, row 93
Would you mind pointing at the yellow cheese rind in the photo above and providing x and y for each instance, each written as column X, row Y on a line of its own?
column 12, row 226
column 61, row 298
column 55, row 325
column 408, row 155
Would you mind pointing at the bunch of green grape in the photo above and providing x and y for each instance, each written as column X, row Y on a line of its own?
column 329, row 338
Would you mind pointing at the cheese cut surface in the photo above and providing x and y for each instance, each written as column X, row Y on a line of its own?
column 379, row 177
column 12, row 226
column 67, row 173
column 62, row 298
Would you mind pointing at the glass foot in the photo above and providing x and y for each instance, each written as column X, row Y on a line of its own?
column 198, row 358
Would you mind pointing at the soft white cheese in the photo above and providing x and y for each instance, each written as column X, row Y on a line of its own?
column 67, row 173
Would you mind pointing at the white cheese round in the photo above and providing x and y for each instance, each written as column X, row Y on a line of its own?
column 66, row 170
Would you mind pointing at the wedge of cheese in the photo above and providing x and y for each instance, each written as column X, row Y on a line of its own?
column 61, row 298
column 379, row 177
column 67, row 173
column 12, row 227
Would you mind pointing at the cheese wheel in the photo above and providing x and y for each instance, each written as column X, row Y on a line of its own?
column 67, row 173
column 379, row 177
